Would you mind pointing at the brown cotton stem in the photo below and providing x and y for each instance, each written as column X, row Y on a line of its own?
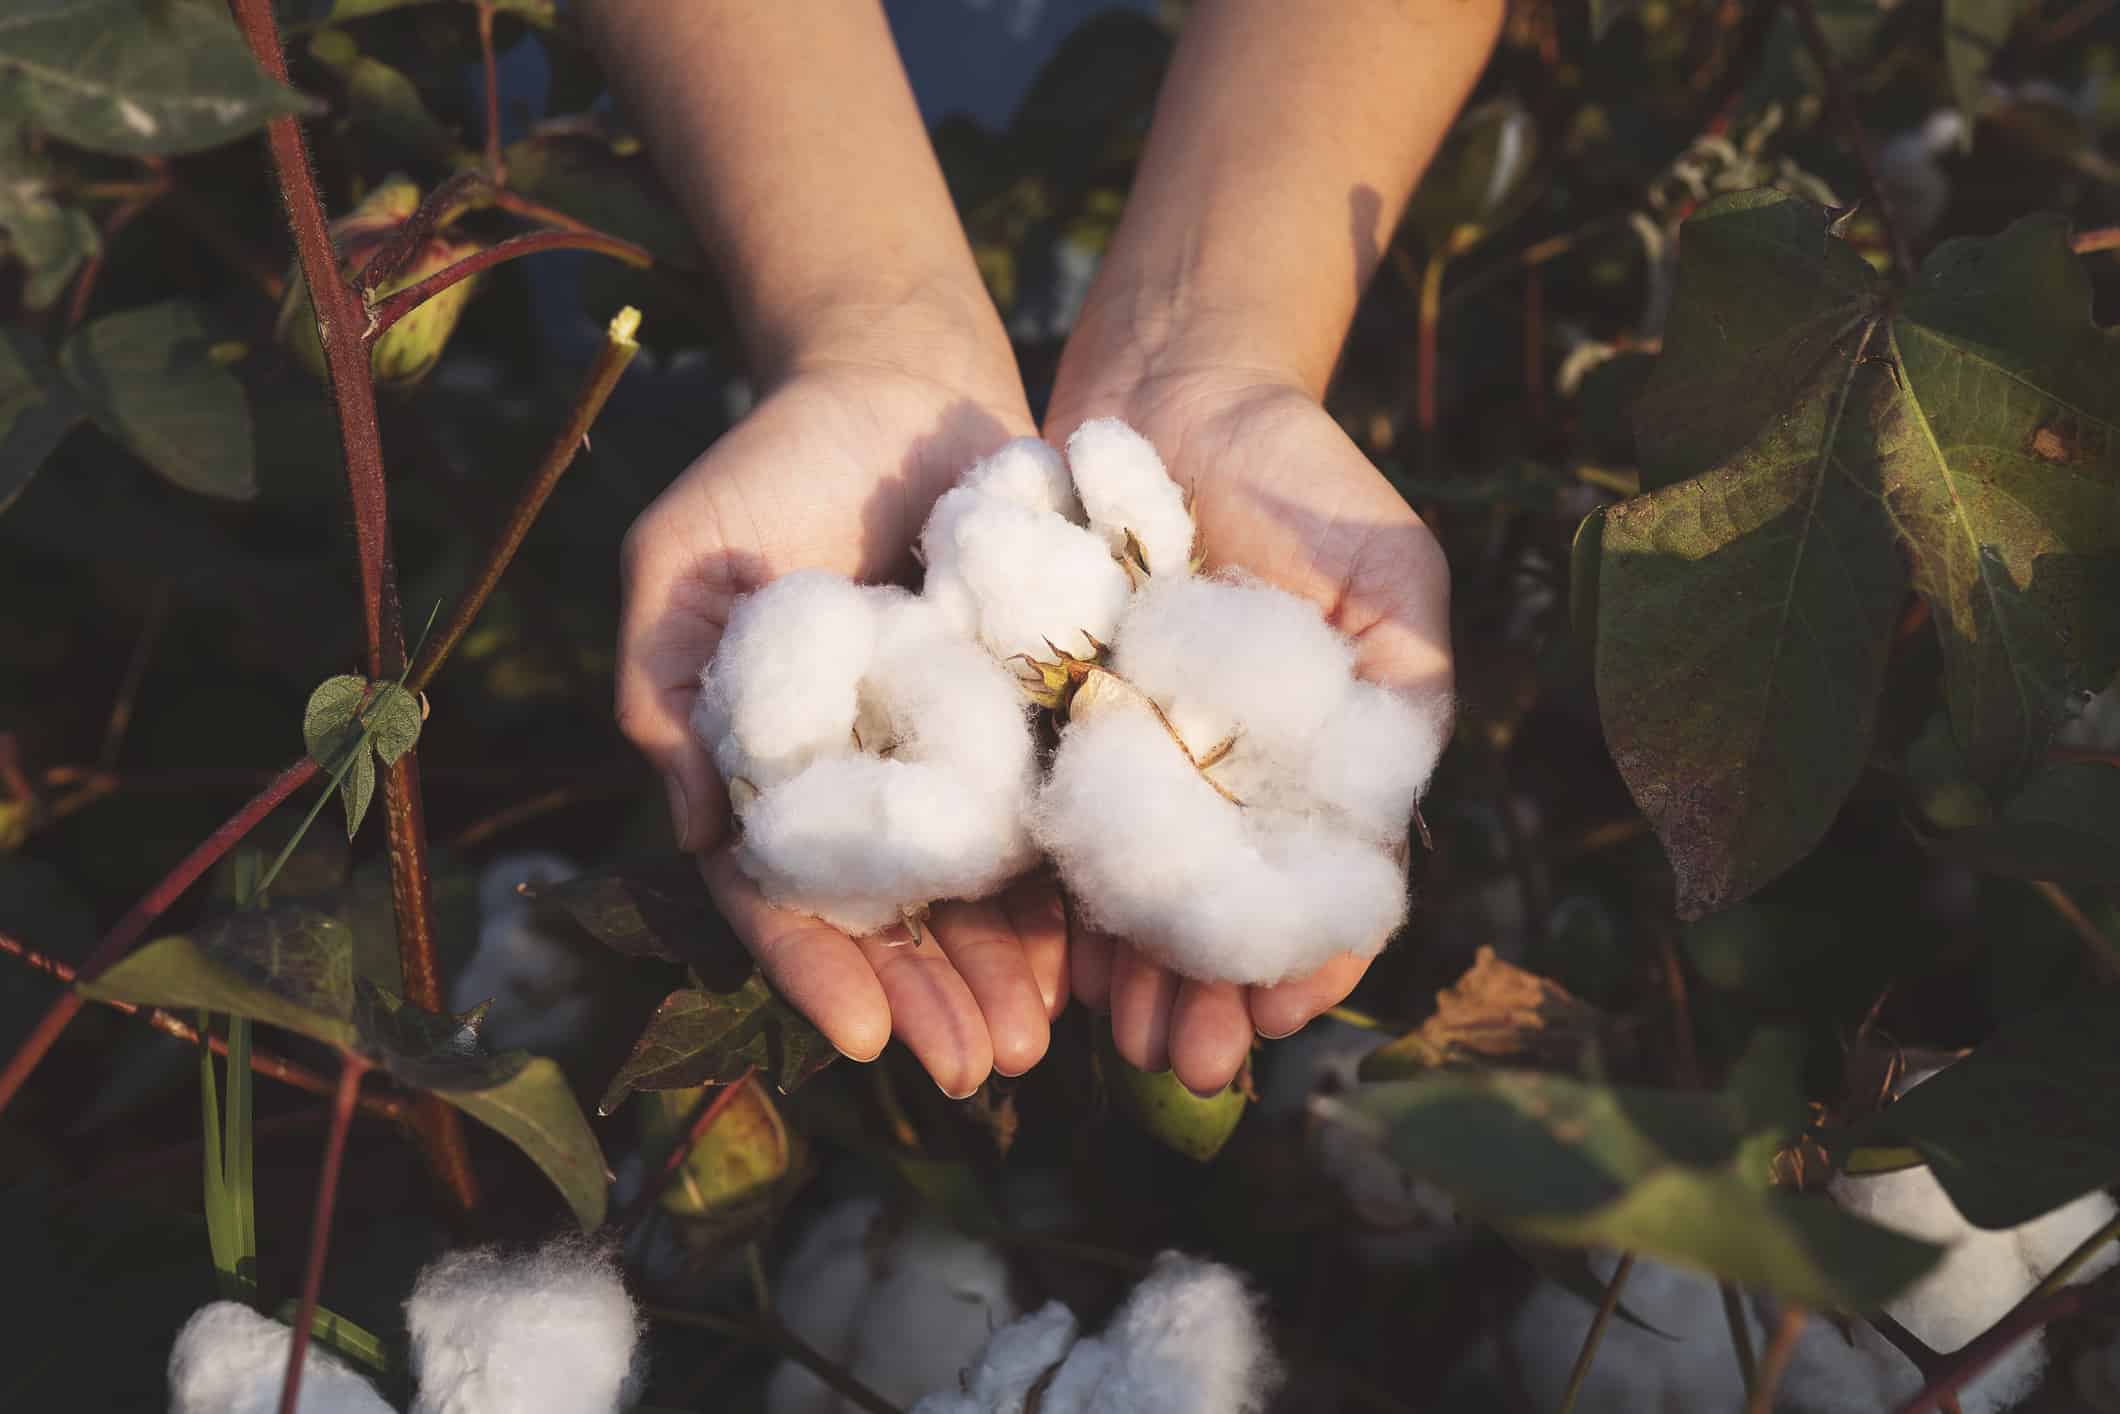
column 603, row 376
column 396, row 306
column 1781, row 1349
column 1850, row 118
column 351, row 1068
column 153, row 905
column 1595, row 1336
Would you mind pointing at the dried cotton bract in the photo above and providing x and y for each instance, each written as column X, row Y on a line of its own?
column 1232, row 799
column 228, row 1359
column 549, row 1332
column 877, row 759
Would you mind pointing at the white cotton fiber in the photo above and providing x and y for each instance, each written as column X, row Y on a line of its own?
column 1020, row 578
column 901, row 781
column 1189, row 1340
column 906, row 1315
column 537, row 979
column 546, row 1332
column 228, row 1359
column 1030, row 473
column 1375, row 753
column 1124, row 487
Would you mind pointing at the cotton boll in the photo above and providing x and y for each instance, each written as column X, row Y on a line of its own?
column 549, row 1332
column 1030, row 473
column 228, row 1359
column 1374, row 755
column 819, row 1296
column 783, row 688
column 500, row 887
column 1124, row 487
column 536, row 979
column 1189, row 1340
column 1020, row 578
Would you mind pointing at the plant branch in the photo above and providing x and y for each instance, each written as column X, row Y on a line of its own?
column 437, row 208
column 396, row 306
column 770, row 1332
column 1966, row 1365
column 2103, row 238
column 1843, row 101
column 265, row 1063
column 619, row 348
column 153, row 905
column 1595, row 1336
column 351, row 1068
column 1780, row 1350
column 2103, row 949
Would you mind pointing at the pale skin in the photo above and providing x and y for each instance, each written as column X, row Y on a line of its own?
column 1286, row 140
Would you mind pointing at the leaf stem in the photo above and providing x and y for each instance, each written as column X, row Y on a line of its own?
column 153, row 905
column 1595, row 1336
column 1781, row 1349
column 396, row 306
column 773, row 1333
column 351, row 1069
column 618, row 350
column 1843, row 101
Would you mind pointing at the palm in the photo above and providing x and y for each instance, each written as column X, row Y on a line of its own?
column 796, row 485
column 1280, row 492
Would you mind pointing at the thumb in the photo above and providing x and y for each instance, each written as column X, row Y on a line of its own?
column 661, row 648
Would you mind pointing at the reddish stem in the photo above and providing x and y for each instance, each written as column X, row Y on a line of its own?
column 1986, row 1349
column 439, row 205
column 153, row 905
column 522, row 205
column 675, row 1159
column 351, row 1068
column 403, row 302
column 2103, row 238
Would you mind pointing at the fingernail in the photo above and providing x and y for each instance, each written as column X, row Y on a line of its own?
column 1266, row 1035
column 858, row 1060
column 948, row 1096
column 680, row 812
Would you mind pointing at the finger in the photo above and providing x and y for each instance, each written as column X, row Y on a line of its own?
column 932, row 1010
column 669, row 622
column 1039, row 915
column 1089, row 966
column 1142, row 994
column 818, row 969
column 1210, row 1034
column 1288, row 1007
column 981, row 942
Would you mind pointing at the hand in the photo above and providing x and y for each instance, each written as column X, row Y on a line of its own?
column 1279, row 491
column 836, row 468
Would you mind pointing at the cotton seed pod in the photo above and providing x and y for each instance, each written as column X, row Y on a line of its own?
column 413, row 345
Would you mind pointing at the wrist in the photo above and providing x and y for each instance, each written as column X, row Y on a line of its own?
column 928, row 327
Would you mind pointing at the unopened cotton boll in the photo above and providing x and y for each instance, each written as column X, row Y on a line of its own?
column 888, row 770
column 228, row 1359
column 535, row 978
column 1020, row 579
column 1125, row 488
column 547, row 1332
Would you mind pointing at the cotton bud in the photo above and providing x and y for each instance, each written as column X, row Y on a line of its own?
column 409, row 348
column 876, row 758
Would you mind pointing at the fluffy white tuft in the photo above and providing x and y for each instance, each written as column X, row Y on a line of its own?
column 1030, row 473
column 537, row 980
column 1124, row 487
column 891, row 759
column 905, row 1317
column 1189, row 1340
column 1018, row 577
column 547, row 1332
column 228, row 1359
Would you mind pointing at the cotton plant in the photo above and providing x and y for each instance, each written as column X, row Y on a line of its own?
column 1225, row 792
column 552, row 1331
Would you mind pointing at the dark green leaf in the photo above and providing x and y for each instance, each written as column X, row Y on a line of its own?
column 1973, row 31
column 146, row 376
column 1555, row 1160
column 356, row 790
column 178, row 973
column 429, row 1050
column 712, row 1038
column 135, row 76
column 658, row 910
column 384, row 98
column 37, row 410
column 535, row 1110
column 2064, row 826
column 393, row 719
column 49, row 239
column 1476, row 181
column 2027, row 1122
column 331, row 715
column 584, row 178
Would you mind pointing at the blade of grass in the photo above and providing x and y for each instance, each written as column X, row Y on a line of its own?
column 220, row 1211
column 237, row 1155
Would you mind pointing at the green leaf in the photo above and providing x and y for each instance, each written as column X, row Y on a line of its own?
column 2063, row 826
column 146, row 377
column 37, row 410
column 334, row 723
column 1802, row 441
column 711, row 1038
column 1197, row 1126
column 135, row 76
column 1556, row 1160
column 50, row 240
column 584, row 178
column 393, row 720
column 356, row 790
column 2027, row 1122
column 535, row 1110
column 429, row 1050
column 383, row 98
column 331, row 713
column 239, row 1153
column 659, row 910
column 1477, row 181
column 176, row 972
column 1973, row 31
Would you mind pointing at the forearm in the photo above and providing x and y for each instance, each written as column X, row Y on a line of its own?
column 788, row 133
column 1286, row 141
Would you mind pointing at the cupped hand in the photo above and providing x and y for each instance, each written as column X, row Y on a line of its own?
column 1280, row 492
column 835, row 469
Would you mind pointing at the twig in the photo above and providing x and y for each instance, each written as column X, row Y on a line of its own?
column 2102, row 948
column 496, row 170
column 118, row 220
column 618, row 350
column 1843, row 102
column 265, row 1063
column 2103, row 238
column 443, row 202
column 396, row 306
column 1595, row 1336
column 153, row 905
column 1918, row 1352
column 1990, row 1346
column 351, row 1068
column 644, row 1200
column 773, row 1333
column 1780, row 1350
